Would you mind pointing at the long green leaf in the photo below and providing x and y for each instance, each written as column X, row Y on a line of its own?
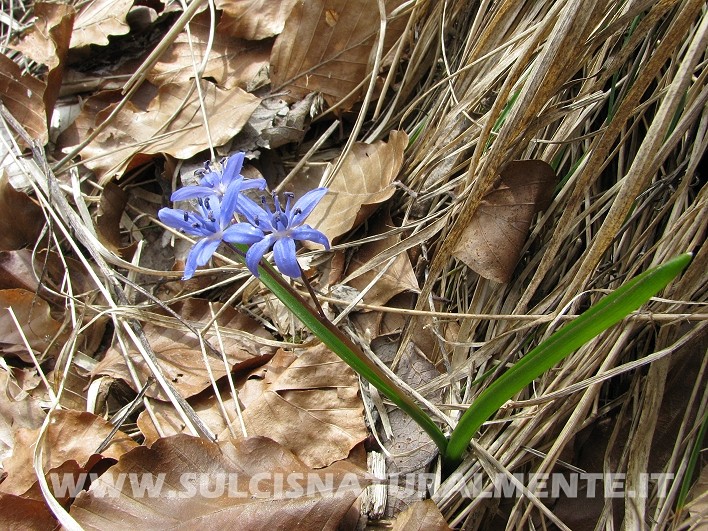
column 609, row 311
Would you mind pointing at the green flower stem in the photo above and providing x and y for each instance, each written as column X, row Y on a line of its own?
column 609, row 311
column 343, row 346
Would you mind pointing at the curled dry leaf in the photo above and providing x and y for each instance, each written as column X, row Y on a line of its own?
column 38, row 326
column 363, row 182
column 170, row 123
column 254, row 19
column 71, row 435
column 23, row 95
column 312, row 407
column 98, row 19
column 108, row 221
column 47, row 43
column 21, row 219
column 19, row 513
column 397, row 278
column 18, row 408
column 232, row 62
column 273, row 124
column 326, row 46
column 179, row 351
column 250, row 484
column 423, row 515
column 206, row 407
column 491, row 244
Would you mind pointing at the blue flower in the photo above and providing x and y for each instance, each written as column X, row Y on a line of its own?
column 218, row 182
column 280, row 229
column 213, row 223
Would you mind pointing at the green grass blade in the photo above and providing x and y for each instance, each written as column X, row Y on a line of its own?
column 691, row 467
column 609, row 311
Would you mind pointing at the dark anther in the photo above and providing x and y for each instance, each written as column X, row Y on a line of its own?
column 200, row 201
column 297, row 211
column 196, row 225
column 186, row 216
column 206, row 203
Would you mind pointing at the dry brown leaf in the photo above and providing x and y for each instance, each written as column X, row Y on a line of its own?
column 71, row 435
column 180, row 354
column 313, row 408
column 207, row 408
column 18, row 408
column 23, row 96
column 423, row 515
column 229, row 485
column 37, row 324
column 171, row 123
column 108, row 221
column 25, row 269
column 20, row 513
column 491, row 244
column 399, row 277
column 47, row 43
column 363, row 182
column 98, row 19
column 326, row 46
column 254, row 19
column 21, row 219
column 273, row 124
column 232, row 62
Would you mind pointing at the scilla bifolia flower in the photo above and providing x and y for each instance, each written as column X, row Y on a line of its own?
column 217, row 182
column 219, row 201
column 281, row 228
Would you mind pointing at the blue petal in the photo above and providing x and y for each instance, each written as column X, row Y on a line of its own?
column 284, row 254
column 256, row 252
column 228, row 205
column 204, row 249
column 210, row 180
column 232, row 168
column 248, row 184
column 175, row 219
column 198, row 256
column 191, row 192
column 305, row 232
column 242, row 233
column 251, row 211
column 306, row 204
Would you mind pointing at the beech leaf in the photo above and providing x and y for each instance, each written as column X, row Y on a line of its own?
column 312, row 407
column 21, row 219
column 492, row 242
column 232, row 62
column 98, row 19
column 399, row 276
column 253, row 484
column 23, row 95
column 363, row 182
column 170, row 124
column 254, row 19
column 71, row 435
column 326, row 47
column 180, row 354
column 423, row 515
column 47, row 42
column 38, row 326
